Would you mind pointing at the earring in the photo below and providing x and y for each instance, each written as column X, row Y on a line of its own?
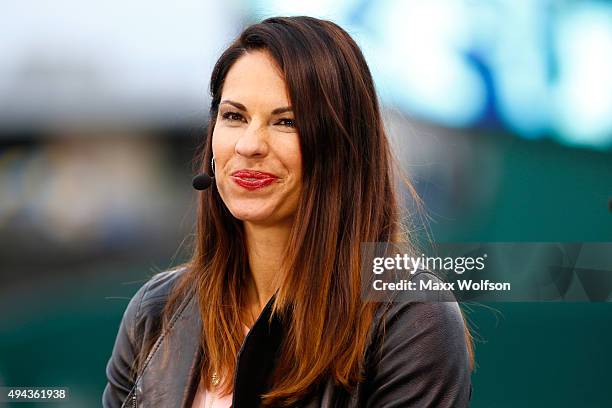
column 212, row 165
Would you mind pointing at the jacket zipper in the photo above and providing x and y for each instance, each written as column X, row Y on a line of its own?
column 131, row 397
column 135, row 396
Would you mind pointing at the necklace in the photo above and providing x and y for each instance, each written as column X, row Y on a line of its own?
column 215, row 382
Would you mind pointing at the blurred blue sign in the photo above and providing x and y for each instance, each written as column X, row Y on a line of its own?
column 536, row 67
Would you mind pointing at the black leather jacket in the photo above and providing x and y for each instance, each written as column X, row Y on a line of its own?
column 424, row 360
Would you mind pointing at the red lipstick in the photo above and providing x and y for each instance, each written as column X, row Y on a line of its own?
column 252, row 180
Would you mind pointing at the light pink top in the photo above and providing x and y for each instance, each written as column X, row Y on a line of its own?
column 210, row 398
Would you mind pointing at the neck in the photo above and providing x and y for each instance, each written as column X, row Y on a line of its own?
column 265, row 246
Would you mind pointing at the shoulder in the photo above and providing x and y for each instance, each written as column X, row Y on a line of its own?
column 156, row 290
column 144, row 311
column 442, row 322
column 446, row 314
column 138, row 329
column 419, row 354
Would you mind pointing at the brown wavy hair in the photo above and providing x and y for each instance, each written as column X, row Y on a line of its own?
column 349, row 196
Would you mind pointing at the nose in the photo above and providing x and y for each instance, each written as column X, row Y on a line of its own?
column 253, row 142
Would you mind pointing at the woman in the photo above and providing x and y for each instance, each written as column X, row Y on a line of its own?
column 302, row 176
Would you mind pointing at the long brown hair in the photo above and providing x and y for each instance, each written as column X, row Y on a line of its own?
column 348, row 197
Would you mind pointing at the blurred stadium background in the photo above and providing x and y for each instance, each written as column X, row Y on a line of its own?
column 500, row 111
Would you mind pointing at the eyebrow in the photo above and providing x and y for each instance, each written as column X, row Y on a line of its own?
column 240, row 106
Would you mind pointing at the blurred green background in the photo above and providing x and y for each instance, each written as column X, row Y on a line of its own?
column 59, row 331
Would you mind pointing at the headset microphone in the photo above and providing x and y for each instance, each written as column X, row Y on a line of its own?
column 202, row 181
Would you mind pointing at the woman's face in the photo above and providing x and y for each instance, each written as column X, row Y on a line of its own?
column 258, row 163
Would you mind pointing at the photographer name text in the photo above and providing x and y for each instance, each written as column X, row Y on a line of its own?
column 429, row 285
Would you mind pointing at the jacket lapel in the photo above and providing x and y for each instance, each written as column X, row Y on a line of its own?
column 173, row 382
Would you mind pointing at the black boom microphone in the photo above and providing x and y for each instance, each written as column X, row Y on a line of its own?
column 202, row 181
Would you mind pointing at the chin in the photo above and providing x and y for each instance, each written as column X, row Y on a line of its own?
column 250, row 217
column 253, row 213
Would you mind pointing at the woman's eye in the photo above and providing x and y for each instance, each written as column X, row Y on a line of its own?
column 287, row 122
column 231, row 116
column 237, row 117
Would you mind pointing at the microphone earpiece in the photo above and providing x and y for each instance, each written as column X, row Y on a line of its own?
column 202, row 181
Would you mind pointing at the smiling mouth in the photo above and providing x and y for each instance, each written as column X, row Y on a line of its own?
column 253, row 180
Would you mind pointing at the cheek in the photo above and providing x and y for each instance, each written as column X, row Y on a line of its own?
column 290, row 154
column 222, row 145
column 296, row 165
column 297, row 169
